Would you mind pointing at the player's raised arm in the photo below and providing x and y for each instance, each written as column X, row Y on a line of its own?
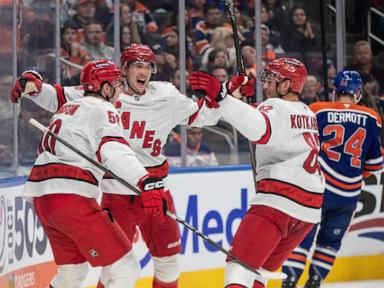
column 49, row 97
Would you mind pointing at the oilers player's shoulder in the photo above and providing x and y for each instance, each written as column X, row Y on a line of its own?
column 367, row 110
column 162, row 88
column 323, row 105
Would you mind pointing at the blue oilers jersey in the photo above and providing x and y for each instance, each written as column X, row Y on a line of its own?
column 350, row 147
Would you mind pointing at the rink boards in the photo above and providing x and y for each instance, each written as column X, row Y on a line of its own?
column 211, row 199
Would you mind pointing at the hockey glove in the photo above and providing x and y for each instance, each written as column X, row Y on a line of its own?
column 29, row 82
column 153, row 197
column 215, row 91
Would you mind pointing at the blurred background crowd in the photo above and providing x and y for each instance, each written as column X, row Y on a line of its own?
column 32, row 34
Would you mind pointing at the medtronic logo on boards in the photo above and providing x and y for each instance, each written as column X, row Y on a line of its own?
column 213, row 224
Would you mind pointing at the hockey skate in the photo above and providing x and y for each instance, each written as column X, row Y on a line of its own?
column 313, row 282
column 290, row 282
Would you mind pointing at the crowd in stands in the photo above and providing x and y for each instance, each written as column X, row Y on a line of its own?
column 87, row 33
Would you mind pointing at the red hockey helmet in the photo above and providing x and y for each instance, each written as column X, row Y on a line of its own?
column 137, row 53
column 96, row 73
column 287, row 68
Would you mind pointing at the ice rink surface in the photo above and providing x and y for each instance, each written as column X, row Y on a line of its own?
column 356, row 284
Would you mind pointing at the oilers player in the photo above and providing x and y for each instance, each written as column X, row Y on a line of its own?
column 350, row 148
column 289, row 183
column 64, row 187
column 149, row 111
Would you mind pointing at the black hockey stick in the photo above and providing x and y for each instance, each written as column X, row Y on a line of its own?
column 241, row 69
column 262, row 273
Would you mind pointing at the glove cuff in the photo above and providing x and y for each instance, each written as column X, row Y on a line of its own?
column 148, row 183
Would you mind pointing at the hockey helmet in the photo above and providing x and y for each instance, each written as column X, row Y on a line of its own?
column 138, row 53
column 287, row 68
column 348, row 82
column 98, row 72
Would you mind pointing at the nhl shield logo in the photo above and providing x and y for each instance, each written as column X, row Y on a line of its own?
column 93, row 253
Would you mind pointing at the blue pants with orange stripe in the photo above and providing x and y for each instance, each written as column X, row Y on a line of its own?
column 331, row 230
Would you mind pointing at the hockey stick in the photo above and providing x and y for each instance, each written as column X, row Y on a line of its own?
column 241, row 70
column 262, row 273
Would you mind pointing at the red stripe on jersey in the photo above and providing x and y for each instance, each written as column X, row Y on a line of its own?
column 61, row 100
column 294, row 193
column 193, row 117
column 372, row 168
column 109, row 139
column 339, row 184
column 265, row 138
column 56, row 170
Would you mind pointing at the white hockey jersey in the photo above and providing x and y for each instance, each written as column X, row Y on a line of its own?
column 147, row 120
column 92, row 125
column 288, row 173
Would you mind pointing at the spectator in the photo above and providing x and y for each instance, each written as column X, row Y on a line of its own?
column 125, row 20
column 220, row 73
column 165, row 62
column 71, row 50
column 85, row 13
column 362, row 62
column 6, row 26
column 93, row 42
column 298, row 37
column 269, row 52
column 310, row 90
column 175, row 80
column 198, row 154
column 216, row 58
column 37, row 34
column 196, row 12
column 204, row 28
column 222, row 39
column 171, row 46
column 277, row 14
column 274, row 35
column 248, row 52
column 143, row 17
column 369, row 92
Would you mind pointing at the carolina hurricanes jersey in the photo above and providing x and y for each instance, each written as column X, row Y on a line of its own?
column 147, row 120
column 288, row 174
column 350, row 145
column 92, row 126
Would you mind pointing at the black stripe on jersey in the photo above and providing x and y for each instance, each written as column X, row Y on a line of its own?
column 63, row 171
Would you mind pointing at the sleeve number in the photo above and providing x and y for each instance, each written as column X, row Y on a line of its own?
column 352, row 145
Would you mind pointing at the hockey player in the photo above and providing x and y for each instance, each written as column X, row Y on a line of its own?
column 350, row 147
column 289, row 183
column 149, row 111
column 64, row 187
